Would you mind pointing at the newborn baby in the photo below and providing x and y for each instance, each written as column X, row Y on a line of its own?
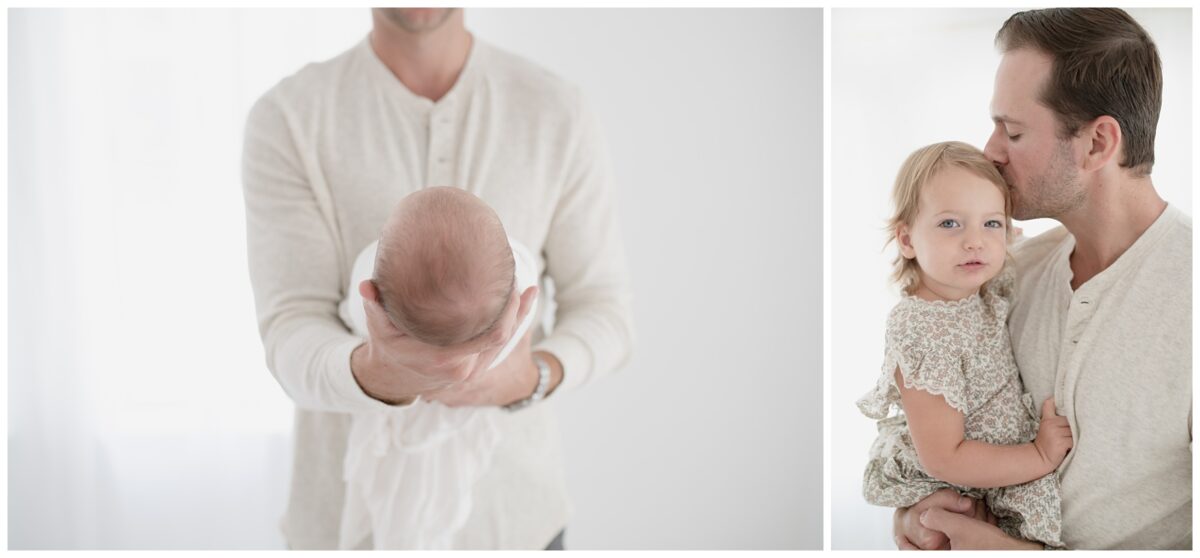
column 445, row 271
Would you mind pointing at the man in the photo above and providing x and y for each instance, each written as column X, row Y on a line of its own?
column 329, row 151
column 1102, row 317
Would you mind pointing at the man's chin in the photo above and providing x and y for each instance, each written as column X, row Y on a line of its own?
column 418, row 20
column 1019, row 212
column 1023, row 214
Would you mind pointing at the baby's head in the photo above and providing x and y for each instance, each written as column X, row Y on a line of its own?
column 951, row 221
column 444, row 268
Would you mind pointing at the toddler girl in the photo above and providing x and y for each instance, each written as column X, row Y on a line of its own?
column 966, row 423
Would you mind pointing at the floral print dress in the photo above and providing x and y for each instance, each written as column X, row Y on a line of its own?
column 961, row 351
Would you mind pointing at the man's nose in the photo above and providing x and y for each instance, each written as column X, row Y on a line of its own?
column 994, row 150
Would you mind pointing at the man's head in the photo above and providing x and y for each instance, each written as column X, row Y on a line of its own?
column 416, row 20
column 444, row 268
column 1075, row 89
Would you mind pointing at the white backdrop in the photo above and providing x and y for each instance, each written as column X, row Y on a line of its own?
column 903, row 79
column 141, row 414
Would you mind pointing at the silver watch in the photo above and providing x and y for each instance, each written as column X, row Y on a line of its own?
column 539, row 392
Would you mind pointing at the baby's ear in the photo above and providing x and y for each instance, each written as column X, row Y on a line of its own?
column 904, row 241
column 368, row 290
column 527, row 299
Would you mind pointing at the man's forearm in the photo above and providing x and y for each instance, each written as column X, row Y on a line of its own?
column 311, row 358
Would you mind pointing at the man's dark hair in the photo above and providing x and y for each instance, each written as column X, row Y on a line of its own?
column 1104, row 64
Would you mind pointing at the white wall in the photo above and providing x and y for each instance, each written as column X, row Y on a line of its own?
column 141, row 414
column 903, row 79
column 711, row 438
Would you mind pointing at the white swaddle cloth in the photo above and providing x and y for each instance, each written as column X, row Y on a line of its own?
column 410, row 471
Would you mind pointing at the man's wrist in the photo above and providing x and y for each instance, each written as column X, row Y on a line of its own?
column 543, row 373
column 361, row 369
column 556, row 369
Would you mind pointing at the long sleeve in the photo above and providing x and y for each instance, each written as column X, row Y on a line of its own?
column 295, row 266
column 593, row 332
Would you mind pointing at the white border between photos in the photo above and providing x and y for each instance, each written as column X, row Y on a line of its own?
column 826, row 285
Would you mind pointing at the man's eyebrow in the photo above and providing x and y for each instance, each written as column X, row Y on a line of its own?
column 1003, row 118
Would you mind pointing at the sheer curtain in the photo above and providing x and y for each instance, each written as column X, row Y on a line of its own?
column 141, row 413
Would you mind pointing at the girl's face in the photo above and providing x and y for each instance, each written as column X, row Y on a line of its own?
column 958, row 236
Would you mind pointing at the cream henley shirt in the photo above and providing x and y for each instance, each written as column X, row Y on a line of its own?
column 1116, row 355
column 328, row 153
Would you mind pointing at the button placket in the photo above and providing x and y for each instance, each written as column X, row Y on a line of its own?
column 1079, row 315
column 431, row 152
column 440, row 156
column 1083, row 305
column 1069, row 342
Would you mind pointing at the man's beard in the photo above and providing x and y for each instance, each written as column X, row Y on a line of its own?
column 1054, row 192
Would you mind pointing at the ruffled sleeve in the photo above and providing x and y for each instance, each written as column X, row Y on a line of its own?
column 927, row 342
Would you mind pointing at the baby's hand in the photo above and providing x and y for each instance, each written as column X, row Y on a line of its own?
column 1054, row 436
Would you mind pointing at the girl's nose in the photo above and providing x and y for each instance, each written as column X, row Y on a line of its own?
column 973, row 242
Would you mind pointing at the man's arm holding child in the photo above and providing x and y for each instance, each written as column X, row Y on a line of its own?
column 910, row 534
column 969, row 533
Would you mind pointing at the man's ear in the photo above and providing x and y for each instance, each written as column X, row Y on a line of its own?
column 527, row 298
column 1103, row 137
column 904, row 241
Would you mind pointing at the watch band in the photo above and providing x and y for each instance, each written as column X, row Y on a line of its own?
column 539, row 392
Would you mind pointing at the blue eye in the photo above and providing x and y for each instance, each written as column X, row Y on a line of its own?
column 948, row 224
column 994, row 224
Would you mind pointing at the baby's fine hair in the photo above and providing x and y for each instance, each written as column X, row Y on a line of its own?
column 918, row 169
column 444, row 268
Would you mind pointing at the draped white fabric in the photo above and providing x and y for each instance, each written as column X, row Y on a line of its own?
column 141, row 413
column 410, row 471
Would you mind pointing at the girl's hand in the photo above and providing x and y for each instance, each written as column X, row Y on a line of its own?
column 1054, row 436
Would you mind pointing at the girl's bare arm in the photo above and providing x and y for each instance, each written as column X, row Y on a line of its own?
column 937, row 433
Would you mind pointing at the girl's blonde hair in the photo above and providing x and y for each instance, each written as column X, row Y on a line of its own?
column 918, row 169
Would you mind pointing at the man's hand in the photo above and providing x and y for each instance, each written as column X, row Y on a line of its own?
column 395, row 368
column 968, row 533
column 910, row 534
column 1053, row 437
column 512, row 380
